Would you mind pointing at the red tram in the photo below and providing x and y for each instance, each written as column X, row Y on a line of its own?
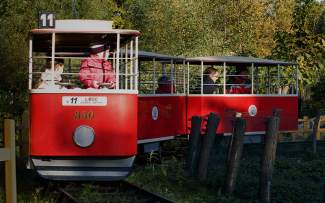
column 94, row 134
column 83, row 134
column 161, row 114
column 273, row 86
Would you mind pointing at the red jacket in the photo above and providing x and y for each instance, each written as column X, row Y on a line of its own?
column 94, row 69
column 165, row 88
column 238, row 86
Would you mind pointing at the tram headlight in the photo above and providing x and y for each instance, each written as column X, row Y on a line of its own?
column 83, row 136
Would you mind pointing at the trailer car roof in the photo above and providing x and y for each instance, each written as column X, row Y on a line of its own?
column 234, row 60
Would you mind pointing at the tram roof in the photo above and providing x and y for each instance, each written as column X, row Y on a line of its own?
column 148, row 56
column 235, row 60
column 76, row 35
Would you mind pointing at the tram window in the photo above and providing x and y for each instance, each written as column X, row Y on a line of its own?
column 264, row 79
column 150, row 72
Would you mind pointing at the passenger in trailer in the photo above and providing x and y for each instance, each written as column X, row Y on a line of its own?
column 96, row 69
column 210, row 76
column 45, row 81
column 239, row 84
column 164, row 85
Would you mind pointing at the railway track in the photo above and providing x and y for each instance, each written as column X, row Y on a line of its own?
column 119, row 191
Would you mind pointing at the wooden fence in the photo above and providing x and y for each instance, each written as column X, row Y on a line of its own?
column 305, row 130
column 8, row 153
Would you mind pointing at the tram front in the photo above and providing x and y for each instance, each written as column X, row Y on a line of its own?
column 79, row 132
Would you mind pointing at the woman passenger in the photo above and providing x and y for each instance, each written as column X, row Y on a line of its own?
column 45, row 81
column 210, row 76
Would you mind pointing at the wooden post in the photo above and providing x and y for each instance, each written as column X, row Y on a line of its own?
column 280, row 137
column 293, row 136
column 305, row 127
column 277, row 113
column 315, row 128
column 268, row 157
column 10, row 165
column 235, row 154
column 193, row 152
column 208, row 139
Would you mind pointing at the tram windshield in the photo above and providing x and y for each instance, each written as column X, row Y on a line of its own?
column 258, row 76
column 70, row 43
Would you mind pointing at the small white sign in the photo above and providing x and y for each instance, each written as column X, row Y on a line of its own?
column 84, row 101
column 154, row 113
column 252, row 110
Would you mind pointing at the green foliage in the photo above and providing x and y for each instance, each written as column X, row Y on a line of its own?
column 317, row 95
column 19, row 17
column 303, row 44
column 12, row 106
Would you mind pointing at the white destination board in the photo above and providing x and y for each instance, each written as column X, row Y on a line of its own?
column 84, row 101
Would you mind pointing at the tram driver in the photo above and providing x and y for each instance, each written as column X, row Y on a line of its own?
column 96, row 69
column 239, row 83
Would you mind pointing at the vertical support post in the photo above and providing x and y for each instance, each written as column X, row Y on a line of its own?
column 10, row 165
column 131, row 66
column 30, row 76
column 305, row 127
column 154, row 75
column 126, row 66
column 193, row 150
column 235, row 154
column 224, row 78
column 118, row 62
column 184, row 88
column 268, row 157
column 315, row 128
column 136, row 62
column 188, row 78
column 268, row 78
column 280, row 137
column 201, row 78
column 278, row 79
column 172, row 76
column 208, row 139
column 252, row 78
column 293, row 136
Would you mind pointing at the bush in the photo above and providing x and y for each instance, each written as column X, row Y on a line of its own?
column 12, row 106
column 317, row 95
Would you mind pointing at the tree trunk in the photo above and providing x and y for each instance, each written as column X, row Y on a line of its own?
column 315, row 128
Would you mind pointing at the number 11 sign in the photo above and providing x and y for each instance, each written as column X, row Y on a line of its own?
column 46, row 19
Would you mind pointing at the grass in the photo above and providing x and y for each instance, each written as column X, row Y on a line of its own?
column 296, row 178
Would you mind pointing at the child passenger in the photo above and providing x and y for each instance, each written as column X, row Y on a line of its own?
column 164, row 85
column 96, row 69
column 45, row 81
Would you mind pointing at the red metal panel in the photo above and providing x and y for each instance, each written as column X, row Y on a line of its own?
column 52, row 126
column 170, row 120
column 203, row 105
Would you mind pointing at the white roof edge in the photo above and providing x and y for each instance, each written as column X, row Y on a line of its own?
column 237, row 59
column 90, row 26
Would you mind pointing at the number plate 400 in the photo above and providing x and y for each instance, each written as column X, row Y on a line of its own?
column 84, row 115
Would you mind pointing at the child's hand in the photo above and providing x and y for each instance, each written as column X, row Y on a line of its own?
column 106, row 54
column 96, row 84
